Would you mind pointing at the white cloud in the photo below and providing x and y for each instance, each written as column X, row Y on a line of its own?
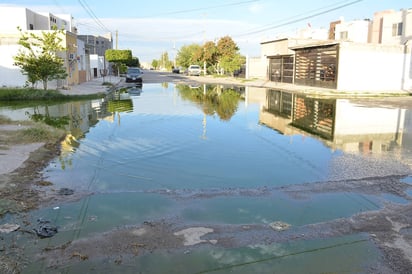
column 256, row 8
column 149, row 37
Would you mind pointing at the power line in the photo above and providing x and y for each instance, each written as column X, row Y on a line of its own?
column 89, row 11
column 202, row 8
column 300, row 18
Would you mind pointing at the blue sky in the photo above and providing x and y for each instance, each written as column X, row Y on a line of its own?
column 150, row 27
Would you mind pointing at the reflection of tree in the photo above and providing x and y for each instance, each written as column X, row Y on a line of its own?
column 57, row 122
column 212, row 99
column 120, row 106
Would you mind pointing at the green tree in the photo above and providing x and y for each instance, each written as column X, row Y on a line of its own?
column 188, row 55
column 165, row 63
column 38, row 58
column 155, row 63
column 210, row 56
column 227, row 47
column 118, row 57
column 134, row 62
column 229, row 56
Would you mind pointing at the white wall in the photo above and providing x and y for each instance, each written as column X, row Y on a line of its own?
column 357, row 31
column 370, row 67
column 10, row 75
column 256, row 68
column 11, row 17
column 352, row 119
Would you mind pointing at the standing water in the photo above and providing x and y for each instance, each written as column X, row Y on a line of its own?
column 211, row 179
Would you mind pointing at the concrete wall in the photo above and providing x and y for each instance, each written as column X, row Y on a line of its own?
column 357, row 31
column 256, row 68
column 11, row 17
column 352, row 119
column 369, row 67
column 382, row 26
column 10, row 75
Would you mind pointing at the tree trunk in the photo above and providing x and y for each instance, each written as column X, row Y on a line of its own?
column 44, row 84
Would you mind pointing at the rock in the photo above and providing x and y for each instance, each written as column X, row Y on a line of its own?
column 192, row 235
column 279, row 226
column 45, row 229
column 65, row 191
column 7, row 228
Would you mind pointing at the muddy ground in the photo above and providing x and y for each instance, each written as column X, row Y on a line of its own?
column 389, row 228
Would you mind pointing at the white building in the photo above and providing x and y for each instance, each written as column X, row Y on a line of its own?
column 392, row 27
column 14, row 18
column 353, row 31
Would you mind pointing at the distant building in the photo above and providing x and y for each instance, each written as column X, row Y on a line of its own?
column 392, row 27
column 353, row 31
column 97, row 44
column 27, row 20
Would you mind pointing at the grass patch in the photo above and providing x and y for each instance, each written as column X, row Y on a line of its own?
column 31, row 133
column 5, row 120
column 27, row 94
column 38, row 133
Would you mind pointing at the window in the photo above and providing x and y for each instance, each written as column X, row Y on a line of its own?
column 397, row 29
column 31, row 27
column 344, row 35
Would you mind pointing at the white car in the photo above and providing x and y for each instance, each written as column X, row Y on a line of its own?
column 194, row 70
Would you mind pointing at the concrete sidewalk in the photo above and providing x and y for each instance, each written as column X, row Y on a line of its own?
column 93, row 86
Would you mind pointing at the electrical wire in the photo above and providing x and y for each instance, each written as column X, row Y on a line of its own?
column 299, row 18
column 202, row 8
column 90, row 12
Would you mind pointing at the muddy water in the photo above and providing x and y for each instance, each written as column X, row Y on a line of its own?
column 147, row 165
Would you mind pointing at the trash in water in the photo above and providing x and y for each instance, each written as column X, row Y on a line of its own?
column 279, row 226
column 45, row 229
column 7, row 228
column 65, row 191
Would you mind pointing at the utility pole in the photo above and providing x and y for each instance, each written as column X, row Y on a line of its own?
column 204, row 43
column 117, row 38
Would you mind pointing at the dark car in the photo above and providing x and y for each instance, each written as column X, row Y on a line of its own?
column 134, row 75
column 176, row 70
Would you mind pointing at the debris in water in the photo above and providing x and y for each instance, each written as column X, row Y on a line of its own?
column 192, row 235
column 7, row 228
column 45, row 229
column 65, row 191
column 279, row 226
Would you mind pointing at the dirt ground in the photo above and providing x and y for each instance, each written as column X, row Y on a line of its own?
column 389, row 228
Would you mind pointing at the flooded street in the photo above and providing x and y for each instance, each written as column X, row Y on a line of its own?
column 171, row 178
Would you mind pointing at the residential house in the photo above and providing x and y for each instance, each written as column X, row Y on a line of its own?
column 12, row 18
column 96, row 47
column 347, row 63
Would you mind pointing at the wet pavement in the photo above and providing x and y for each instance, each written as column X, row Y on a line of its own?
column 166, row 182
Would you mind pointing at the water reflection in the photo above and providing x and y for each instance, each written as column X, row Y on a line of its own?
column 213, row 99
column 340, row 123
column 243, row 177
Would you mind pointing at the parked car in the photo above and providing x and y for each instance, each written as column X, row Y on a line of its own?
column 194, row 70
column 176, row 70
column 134, row 75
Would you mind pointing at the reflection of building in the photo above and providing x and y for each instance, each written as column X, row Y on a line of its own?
column 339, row 123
